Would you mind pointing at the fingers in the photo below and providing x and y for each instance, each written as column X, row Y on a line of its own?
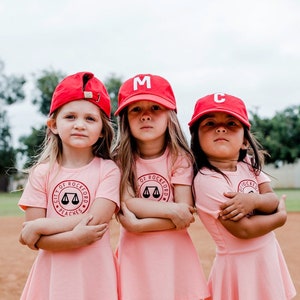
column 101, row 230
column 237, row 217
column 192, row 209
column 86, row 220
column 283, row 197
column 33, row 247
column 234, row 215
column 21, row 240
column 228, row 205
column 230, row 194
column 228, row 212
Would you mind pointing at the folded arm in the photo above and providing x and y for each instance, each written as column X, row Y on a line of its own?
column 241, row 204
column 68, row 232
column 257, row 225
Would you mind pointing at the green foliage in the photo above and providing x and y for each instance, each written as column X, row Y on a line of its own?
column 46, row 83
column 280, row 135
column 7, row 152
column 11, row 91
column 113, row 84
column 11, row 87
column 31, row 145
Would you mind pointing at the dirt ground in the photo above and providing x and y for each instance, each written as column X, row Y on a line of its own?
column 16, row 260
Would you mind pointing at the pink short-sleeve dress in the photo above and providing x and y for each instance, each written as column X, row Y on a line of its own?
column 84, row 273
column 161, row 265
column 243, row 269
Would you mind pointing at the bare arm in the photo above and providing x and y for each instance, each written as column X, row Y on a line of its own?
column 69, row 232
column 153, row 215
column 240, row 204
column 257, row 225
column 133, row 224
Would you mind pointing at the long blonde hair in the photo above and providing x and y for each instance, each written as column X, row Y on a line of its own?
column 125, row 148
column 51, row 149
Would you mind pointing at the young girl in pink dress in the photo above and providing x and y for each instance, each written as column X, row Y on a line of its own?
column 156, row 256
column 249, row 263
column 71, row 195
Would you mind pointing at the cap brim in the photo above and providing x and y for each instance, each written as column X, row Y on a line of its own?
column 140, row 97
column 202, row 113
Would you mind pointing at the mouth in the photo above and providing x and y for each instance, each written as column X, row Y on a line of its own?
column 220, row 140
column 78, row 135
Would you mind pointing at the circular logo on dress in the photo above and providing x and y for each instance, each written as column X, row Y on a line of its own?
column 71, row 197
column 154, row 186
column 248, row 186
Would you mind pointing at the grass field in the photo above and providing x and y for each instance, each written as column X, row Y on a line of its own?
column 9, row 207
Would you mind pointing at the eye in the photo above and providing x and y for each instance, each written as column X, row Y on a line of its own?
column 232, row 123
column 91, row 119
column 155, row 107
column 70, row 117
column 208, row 123
column 135, row 109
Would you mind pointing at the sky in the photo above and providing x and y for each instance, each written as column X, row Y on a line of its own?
column 249, row 49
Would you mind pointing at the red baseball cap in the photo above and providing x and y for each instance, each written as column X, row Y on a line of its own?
column 146, row 87
column 220, row 102
column 81, row 86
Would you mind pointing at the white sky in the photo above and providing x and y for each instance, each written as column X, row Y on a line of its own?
column 250, row 49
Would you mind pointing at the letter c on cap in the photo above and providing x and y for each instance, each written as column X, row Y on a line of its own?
column 219, row 97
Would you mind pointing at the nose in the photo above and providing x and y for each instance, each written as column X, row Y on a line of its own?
column 221, row 129
column 146, row 117
column 79, row 125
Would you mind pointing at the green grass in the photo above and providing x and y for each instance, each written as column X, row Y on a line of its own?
column 9, row 202
column 292, row 198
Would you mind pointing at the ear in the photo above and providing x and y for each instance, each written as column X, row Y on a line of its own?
column 245, row 145
column 51, row 123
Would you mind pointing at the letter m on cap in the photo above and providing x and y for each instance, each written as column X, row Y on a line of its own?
column 137, row 81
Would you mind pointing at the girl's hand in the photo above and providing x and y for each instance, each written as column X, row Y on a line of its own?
column 29, row 234
column 85, row 234
column 281, row 209
column 128, row 219
column 238, row 206
column 182, row 215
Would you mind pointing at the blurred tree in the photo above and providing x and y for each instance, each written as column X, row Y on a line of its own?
column 113, row 83
column 44, row 83
column 11, row 91
column 280, row 135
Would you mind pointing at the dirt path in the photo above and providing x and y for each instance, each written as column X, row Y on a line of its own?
column 16, row 260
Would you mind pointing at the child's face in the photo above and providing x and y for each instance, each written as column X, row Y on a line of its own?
column 148, row 121
column 78, row 123
column 221, row 137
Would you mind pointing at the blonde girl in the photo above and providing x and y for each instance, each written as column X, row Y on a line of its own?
column 71, row 195
column 156, row 256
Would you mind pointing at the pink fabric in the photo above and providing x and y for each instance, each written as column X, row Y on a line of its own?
column 244, row 269
column 84, row 273
column 164, row 264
